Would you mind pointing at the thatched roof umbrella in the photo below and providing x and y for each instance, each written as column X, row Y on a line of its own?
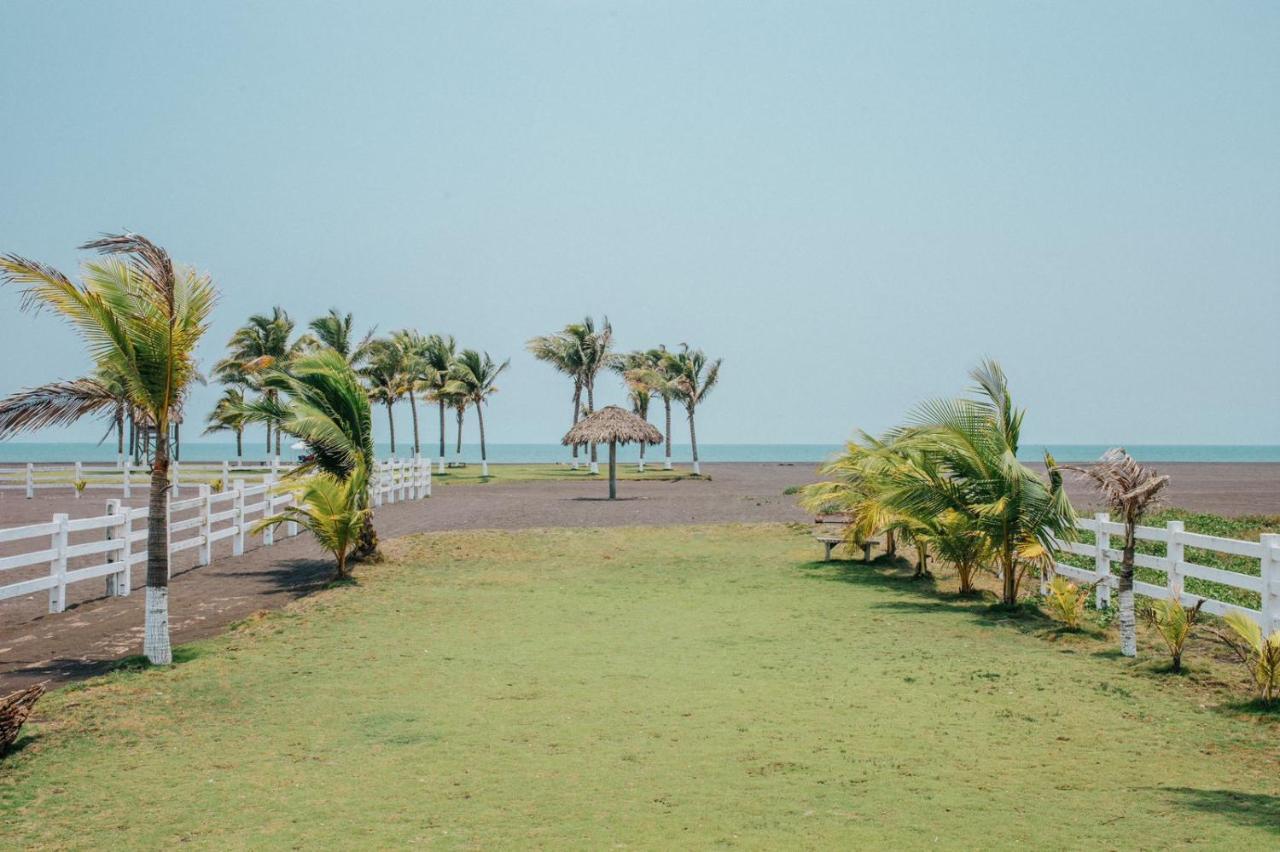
column 612, row 425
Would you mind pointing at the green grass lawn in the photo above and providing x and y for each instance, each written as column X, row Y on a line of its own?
column 651, row 688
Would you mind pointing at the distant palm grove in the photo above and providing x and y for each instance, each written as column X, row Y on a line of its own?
column 141, row 317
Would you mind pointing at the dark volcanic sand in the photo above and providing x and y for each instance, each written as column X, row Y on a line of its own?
column 95, row 630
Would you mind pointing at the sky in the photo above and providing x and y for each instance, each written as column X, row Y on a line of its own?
column 850, row 203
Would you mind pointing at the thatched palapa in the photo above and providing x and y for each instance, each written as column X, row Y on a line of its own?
column 612, row 425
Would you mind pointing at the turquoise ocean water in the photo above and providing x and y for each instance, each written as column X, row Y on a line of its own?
column 19, row 451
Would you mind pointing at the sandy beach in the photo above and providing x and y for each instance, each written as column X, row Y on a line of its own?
column 95, row 629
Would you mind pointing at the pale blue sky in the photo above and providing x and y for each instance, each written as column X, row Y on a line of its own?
column 851, row 203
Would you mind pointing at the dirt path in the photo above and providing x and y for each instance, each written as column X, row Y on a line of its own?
column 96, row 630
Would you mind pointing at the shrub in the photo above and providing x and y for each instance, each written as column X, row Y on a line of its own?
column 1174, row 622
column 1259, row 654
column 79, row 485
column 1066, row 601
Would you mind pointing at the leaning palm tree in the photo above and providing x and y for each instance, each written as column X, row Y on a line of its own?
column 564, row 351
column 320, row 401
column 440, row 352
column 385, row 375
column 657, row 373
column 632, row 366
column 261, row 343
column 477, row 374
column 227, row 417
column 974, row 445
column 336, row 331
column 1130, row 490
column 419, row 374
column 695, row 377
column 141, row 318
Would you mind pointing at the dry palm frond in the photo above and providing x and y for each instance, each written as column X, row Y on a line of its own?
column 1129, row 488
column 15, row 708
column 610, row 424
column 55, row 404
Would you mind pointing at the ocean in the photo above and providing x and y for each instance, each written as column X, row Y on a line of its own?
column 21, row 451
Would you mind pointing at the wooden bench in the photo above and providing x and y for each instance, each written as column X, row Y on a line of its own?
column 829, row 531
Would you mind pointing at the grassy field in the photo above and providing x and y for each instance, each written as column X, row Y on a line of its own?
column 651, row 688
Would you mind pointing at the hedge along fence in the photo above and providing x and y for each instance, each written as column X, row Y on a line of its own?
column 1170, row 561
column 117, row 540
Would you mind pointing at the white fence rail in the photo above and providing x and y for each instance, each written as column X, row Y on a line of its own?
column 1176, row 568
column 126, row 477
column 194, row 523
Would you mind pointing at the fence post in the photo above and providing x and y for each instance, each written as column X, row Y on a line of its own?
column 237, row 541
column 275, row 466
column 205, row 554
column 127, row 464
column 58, row 565
column 1173, row 554
column 1270, row 582
column 226, row 475
column 113, row 580
column 31, row 480
column 291, row 527
column 269, row 533
column 1102, row 562
column 428, row 482
column 124, row 585
column 79, row 475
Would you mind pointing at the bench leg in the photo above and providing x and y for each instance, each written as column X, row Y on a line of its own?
column 828, row 545
column 866, row 552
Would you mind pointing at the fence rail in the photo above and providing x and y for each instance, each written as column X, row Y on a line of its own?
column 195, row 523
column 1176, row 568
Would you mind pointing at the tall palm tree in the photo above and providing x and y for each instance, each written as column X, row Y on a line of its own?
column 336, row 331
column 419, row 375
column 974, row 444
column 326, row 407
column 440, row 352
column 633, row 366
column 564, row 351
column 658, row 374
column 141, row 318
column 261, row 343
column 595, row 352
column 477, row 373
column 695, row 378
column 1130, row 490
column 227, row 416
column 385, row 376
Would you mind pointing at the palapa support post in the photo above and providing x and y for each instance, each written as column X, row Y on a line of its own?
column 613, row 470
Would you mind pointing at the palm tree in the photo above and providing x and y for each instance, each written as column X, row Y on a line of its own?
column 633, row 366
column 974, row 445
column 336, row 331
column 440, row 352
column 477, row 373
column 563, row 351
column 385, row 376
column 594, row 353
column 227, row 416
column 261, row 343
column 658, row 374
column 695, row 377
column 419, row 375
column 1130, row 490
column 141, row 318
column 328, row 409
column 332, row 509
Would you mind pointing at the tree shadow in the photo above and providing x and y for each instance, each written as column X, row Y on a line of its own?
column 21, row 743
column 1257, row 809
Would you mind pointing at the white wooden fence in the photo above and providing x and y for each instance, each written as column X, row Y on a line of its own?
column 1176, row 568
column 126, row 477
column 194, row 523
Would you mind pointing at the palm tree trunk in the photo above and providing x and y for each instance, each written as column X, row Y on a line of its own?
column 577, row 406
column 693, row 439
column 484, row 460
column 120, row 434
column 613, row 470
column 441, row 431
column 667, row 464
column 460, row 412
column 391, row 422
column 413, row 408
column 591, row 404
column 239, row 444
column 1128, row 625
column 1009, row 595
column 268, row 439
column 155, row 642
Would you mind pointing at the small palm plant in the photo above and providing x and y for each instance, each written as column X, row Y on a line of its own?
column 1259, row 654
column 1066, row 601
column 333, row 510
column 1174, row 622
column 1131, row 490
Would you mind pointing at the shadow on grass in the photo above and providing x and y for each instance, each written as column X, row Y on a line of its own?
column 138, row 663
column 923, row 596
column 1257, row 809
